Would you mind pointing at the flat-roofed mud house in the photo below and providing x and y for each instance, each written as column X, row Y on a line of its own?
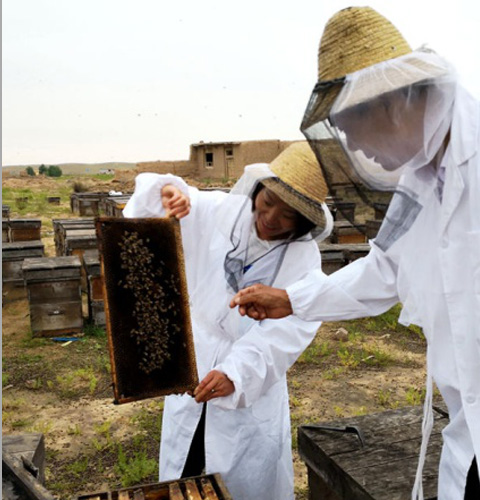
column 219, row 160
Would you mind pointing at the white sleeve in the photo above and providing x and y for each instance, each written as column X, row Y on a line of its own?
column 262, row 357
column 366, row 287
column 146, row 200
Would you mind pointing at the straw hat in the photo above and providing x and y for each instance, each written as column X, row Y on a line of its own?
column 299, row 181
column 353, row 39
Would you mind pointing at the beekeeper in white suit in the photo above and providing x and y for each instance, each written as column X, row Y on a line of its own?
column 401, row 121
column 265, row 230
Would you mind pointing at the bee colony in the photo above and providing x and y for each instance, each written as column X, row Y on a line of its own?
column 146, row 308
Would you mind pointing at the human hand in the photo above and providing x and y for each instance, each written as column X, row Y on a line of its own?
column 261, row 302
column 215, row 385
column 176, row 203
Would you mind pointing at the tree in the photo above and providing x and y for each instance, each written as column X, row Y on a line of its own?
column 42, row 169
column 54, row 171
column 30, row 171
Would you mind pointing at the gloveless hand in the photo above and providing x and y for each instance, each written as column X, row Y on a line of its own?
column 175, row 202
column 215, row 385
column 262, row 302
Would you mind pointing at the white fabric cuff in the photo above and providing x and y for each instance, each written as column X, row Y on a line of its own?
column 146, row 201
column 233, row 401
column 301, row 293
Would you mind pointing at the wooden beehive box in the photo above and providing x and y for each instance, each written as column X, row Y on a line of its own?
column 5, row 230
column 54, row 295
column 60, row 226
column 18, row 481
column 76, row 244
column 345, row 210
column 146, row 306
column 96, row 307
column 86, row 203
column 206, row 487
column 371, row 457
column 25, row 229
column 13, row 255
column 380, row 210
column 53, row 200
column 29, row 445
column 5, row 211
column 114, row 205
column 345, row 232
column 332, row 258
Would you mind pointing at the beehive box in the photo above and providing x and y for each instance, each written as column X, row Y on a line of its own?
column 30, row 445
column 13, row 255
column 206, row 487
column 25, row 229
column 54, row 295
column 345, row 232
column 5, row 211
column 19, row 481
column 96, row 307
column 380, row 210
column 337, row 255
column 114, row 205
column 76, row 244
column 146, row 307
column 371, row 457
column 86, row 203
column 60, row 226
column 5, row 230
column 332, row 259
column 345, row 210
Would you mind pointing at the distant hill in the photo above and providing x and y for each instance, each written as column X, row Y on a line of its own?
column 75, row 168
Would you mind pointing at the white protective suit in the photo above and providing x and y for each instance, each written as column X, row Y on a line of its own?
column 247, row 434
column 434, row 271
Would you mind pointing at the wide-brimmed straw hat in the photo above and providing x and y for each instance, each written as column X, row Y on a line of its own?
column 353, row 39
column 299, row 181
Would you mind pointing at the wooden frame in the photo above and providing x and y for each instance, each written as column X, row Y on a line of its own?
column 146, row 307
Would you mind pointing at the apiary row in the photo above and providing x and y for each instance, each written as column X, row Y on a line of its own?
column 94, row 204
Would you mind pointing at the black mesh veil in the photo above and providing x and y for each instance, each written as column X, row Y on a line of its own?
column 372, row 126
column 342, row 179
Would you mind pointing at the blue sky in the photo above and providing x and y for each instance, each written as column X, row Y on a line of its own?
column 138, row 80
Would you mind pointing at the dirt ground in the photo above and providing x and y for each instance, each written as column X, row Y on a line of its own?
column 62, row 389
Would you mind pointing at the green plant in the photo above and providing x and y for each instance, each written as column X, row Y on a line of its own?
column 414, row 396
column 30, row 171
column 149, row 420
column 314, row 352
column 79, row 467
column 4, row 379
column 18, row 424
column 73, row 384
column 44, row 427
column 295, row 402
column 76, row 430
column 348, row 358
column 135, row 469
column 339, row 411
column 92, row 330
